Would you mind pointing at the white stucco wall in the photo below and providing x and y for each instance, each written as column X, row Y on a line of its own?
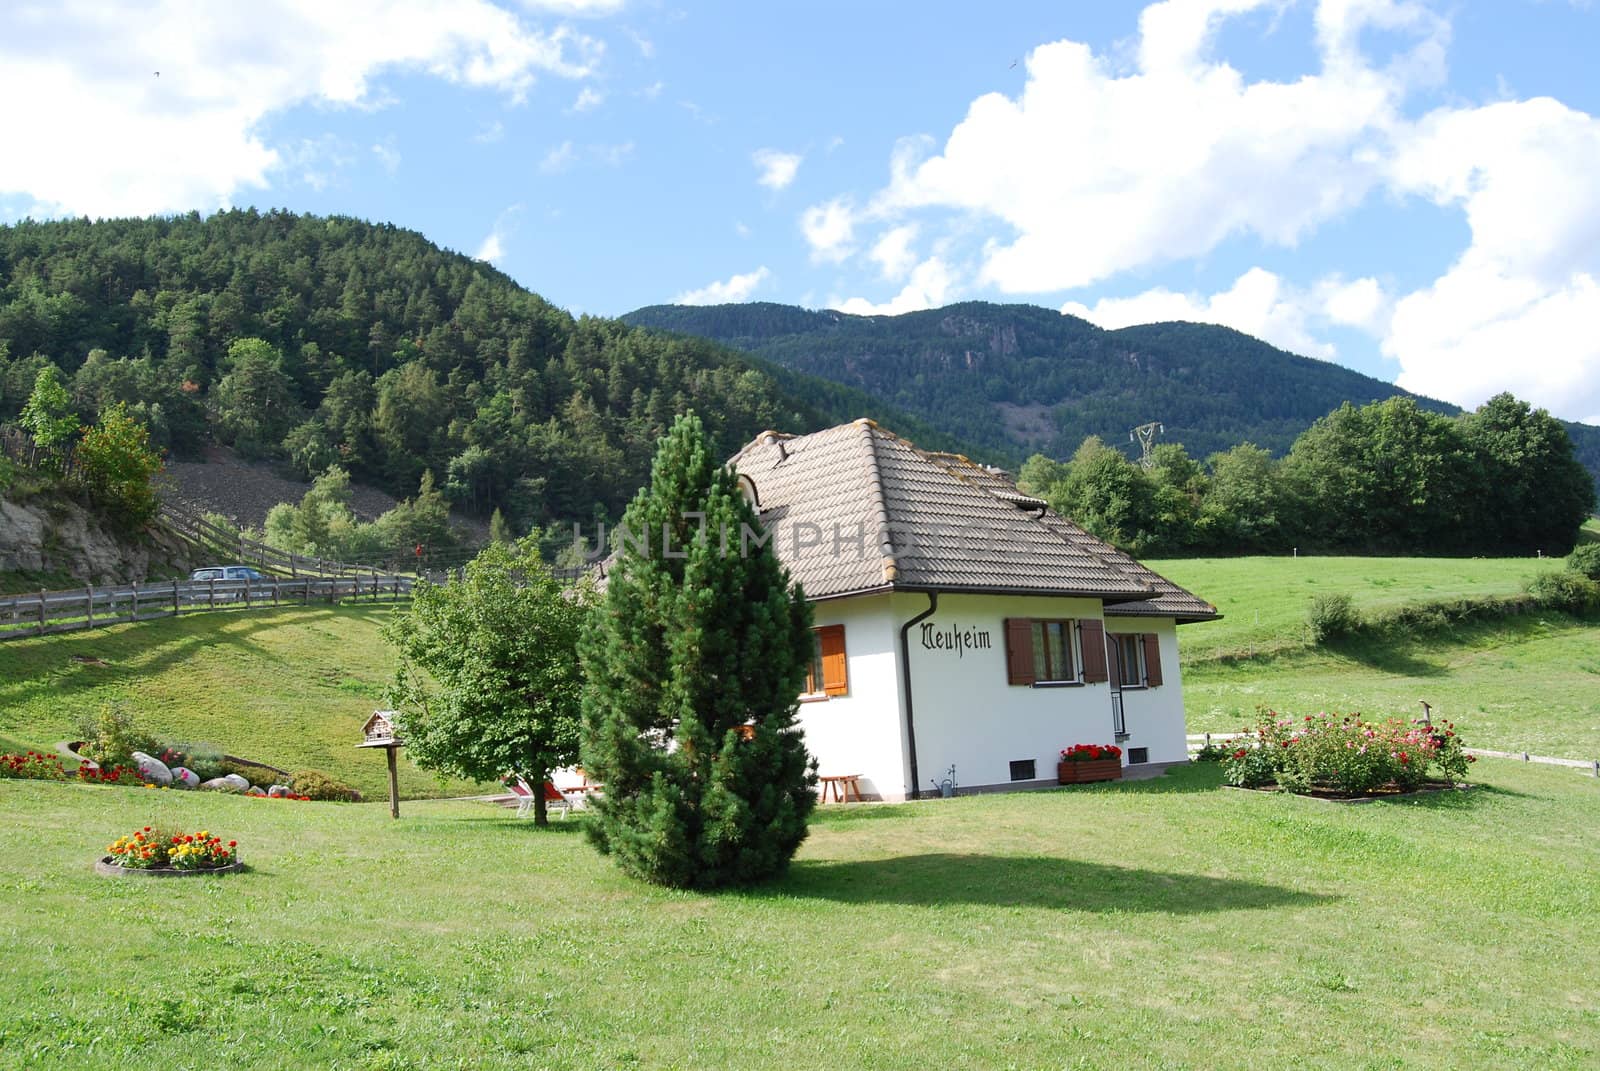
column 861, row 732
column 1154, row 716
column 967, row 714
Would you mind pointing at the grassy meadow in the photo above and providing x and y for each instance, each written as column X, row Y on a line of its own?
column 289, row 687
column 1523, row 683
column 1170, row 923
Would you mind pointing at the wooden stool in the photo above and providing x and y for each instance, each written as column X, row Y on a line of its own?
column 842, row 787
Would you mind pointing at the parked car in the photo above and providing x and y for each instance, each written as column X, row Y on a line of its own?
column 227, row 572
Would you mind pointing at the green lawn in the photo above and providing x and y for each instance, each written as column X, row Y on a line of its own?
column 1170, row 923
column 289, row 687
column 1264, row 600
column 1529, row 683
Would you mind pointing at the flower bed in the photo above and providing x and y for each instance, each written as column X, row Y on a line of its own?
column 1345, row 757
column 156, row 851
column 1083, row 763
column 37, row 766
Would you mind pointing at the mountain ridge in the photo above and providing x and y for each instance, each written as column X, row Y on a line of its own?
column 1041, row 380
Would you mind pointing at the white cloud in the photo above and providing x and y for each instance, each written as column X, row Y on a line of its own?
column 740, row 229
column 388, row 155
column 109, row 135
column 1361, row 304
column 588, row 100
column 733, row 289
column 490, row 132
column 575, row 7
column 612, row 155
column 1258, row 303
column 1517, row 310
column 493, row 247
column 1107, row 169
column 829, row 229
column 932, row 283
column 558, row 159
column 777, row 168
column 893, row 253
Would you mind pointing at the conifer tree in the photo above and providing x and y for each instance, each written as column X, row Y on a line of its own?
column 693, row 667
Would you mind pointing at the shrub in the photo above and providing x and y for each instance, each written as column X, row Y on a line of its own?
column 1332, row 617
column 1344, row 754
column 316, row 785
column 204, row 760
column 1585, row 559
column 1212, row 752
column 111, row 738
column 116, row 465
column 1568, row 591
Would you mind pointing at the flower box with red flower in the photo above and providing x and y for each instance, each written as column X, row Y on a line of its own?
column 1083, row 763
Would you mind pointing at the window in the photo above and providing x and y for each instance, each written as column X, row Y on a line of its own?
column 1137, row 755
column 1023, row 770
column 1130, row 656
column 1136, row 658
column 1041, row 651
column 828, row 674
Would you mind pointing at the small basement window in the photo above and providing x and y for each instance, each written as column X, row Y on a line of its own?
column 1137, row 755
column 1022, row 770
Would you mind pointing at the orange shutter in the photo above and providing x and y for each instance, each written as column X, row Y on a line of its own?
column 1093, row 640
column 1152, row 660
column 1019, row 651
column 835, row 677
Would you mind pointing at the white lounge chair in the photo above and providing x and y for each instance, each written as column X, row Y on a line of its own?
column 553, row 798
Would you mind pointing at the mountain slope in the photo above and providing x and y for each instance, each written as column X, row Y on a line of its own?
column 379, row 351
column 1016, row 379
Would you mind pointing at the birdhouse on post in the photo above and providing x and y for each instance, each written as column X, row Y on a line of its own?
column 379, row 732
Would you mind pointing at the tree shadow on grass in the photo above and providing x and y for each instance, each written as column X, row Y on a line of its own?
column 1388, row 657
column 1028, row 881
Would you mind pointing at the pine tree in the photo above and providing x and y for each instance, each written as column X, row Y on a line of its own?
column 693, row 666
column 499, row 530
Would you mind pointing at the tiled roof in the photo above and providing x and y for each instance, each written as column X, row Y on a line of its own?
column 855, row 509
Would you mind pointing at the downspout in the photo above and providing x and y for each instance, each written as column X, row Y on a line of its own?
column 905, row 676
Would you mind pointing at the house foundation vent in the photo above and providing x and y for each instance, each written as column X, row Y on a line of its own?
column 1022, row 770
column 1137, row 755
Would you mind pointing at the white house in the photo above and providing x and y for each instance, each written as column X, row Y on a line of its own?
column 960, row 622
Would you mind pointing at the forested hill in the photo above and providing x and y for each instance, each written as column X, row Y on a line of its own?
column 331, row 340
column 1019, row 379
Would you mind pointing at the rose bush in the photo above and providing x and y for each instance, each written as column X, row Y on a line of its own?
column 1344, row 754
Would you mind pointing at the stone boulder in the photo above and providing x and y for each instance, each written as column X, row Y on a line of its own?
column 152, row 769
column 239, row 783
column 278, row 790
column 254, row 791
column 183, row 777
column 222, row 784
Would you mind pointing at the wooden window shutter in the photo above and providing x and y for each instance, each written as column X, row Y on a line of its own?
column 835, row 675
column 1152, row 660
column 1093, row 637
column 1019, row 651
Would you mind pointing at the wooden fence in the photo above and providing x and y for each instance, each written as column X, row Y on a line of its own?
column 232, row 548
column 1200, row 740
column 43, row 612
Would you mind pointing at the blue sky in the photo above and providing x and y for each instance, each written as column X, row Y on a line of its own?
column 1409, row 187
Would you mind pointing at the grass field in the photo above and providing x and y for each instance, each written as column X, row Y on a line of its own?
column 287, row 687
column 1527, row 683
column 1170, row 923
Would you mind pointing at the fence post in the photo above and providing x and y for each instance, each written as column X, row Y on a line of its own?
column 246, row 593
column 211, row 597
column 175, row 608
column 133, row 614
column 90, row 590
column 41, row 611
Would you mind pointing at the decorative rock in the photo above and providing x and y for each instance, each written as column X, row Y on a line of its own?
column 277, row 791
column 183, row 777
column 254, row 791
column 152, row 769
column 239, row 783
column 220, row 784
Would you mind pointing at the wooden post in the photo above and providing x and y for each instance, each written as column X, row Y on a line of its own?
column 247, row 593
column 133, row 614
column 394, row 784
column 211, row 597
column 41, row 611
column 90, row 590
column 174, row 598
